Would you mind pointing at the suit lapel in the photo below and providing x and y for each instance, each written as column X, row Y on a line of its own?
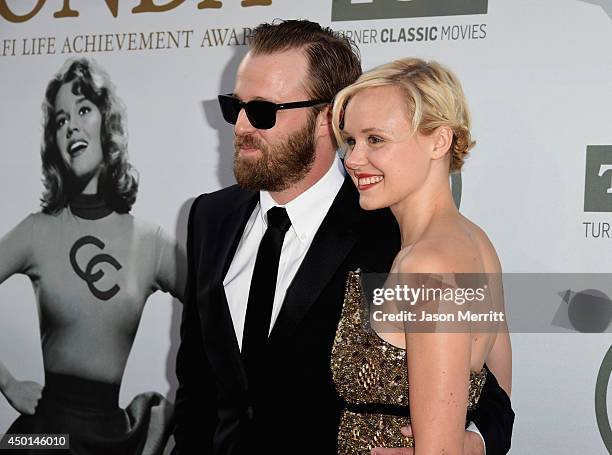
column 220, row 336
column 333, row 241
column 232, row 227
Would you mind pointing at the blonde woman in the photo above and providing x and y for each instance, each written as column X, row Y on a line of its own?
column 405, row 126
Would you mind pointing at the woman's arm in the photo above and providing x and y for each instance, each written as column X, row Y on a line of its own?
column 16, row 249
column 438, row 374
column 16, row 257
column 171, row 269
column 438, row 365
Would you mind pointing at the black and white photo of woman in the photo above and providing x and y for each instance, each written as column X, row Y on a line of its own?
column 92, row 266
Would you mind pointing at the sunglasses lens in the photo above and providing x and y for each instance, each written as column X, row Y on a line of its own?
column 261, row 114
column 230, row 108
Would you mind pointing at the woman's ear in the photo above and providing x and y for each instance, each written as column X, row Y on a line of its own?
column 443, row 139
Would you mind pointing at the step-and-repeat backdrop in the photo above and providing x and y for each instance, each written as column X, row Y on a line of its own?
column 538, row 78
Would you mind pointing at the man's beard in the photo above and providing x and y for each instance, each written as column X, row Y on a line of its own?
column 279, row 166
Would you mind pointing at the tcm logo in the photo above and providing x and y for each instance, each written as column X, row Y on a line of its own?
column 598, row 179
column 351, row 10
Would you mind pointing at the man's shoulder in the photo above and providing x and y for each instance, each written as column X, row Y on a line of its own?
column 220, row 201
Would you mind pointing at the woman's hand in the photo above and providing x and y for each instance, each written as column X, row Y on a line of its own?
column 23, row 395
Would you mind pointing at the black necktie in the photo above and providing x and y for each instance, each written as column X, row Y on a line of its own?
column 261, row 293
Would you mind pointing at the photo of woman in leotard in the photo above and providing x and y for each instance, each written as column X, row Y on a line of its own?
column 92, row 266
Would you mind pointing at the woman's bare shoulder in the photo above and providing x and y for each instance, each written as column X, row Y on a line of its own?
column 454, row 245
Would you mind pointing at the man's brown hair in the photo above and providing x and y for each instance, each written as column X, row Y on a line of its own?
column 333, row 60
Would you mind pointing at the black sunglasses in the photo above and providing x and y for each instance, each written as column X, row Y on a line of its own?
column 261, row 114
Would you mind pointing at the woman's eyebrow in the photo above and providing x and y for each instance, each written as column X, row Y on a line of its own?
column 79, row 100
column 374, row 130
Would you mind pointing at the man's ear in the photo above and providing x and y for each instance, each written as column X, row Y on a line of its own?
column 443, row 139
column 324, row 122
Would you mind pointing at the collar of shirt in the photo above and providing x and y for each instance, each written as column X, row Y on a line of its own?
column 307, row 211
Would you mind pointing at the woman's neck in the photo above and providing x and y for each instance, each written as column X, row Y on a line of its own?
column 89, row 206
column 415, row 213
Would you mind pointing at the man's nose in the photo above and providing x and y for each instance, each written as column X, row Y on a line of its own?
column 243, row 125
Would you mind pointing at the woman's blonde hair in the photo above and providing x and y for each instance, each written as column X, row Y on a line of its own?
column 433, row 96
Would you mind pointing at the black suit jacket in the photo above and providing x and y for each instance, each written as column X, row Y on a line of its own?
column 298, row 409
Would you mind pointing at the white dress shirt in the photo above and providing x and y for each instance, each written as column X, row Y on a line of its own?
column 306, row 213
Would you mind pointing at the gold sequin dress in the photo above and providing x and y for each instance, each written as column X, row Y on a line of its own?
column 371, row 375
